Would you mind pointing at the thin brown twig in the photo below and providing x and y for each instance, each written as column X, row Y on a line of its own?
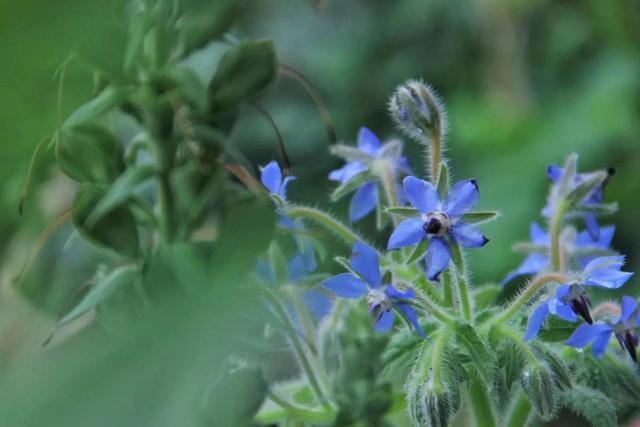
column 281, row 147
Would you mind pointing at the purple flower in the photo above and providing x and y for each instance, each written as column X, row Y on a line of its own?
column 571, row 299
column 599, row 334
column 594, row 198
column 271, row 177
column 583, row 247
column 442, row 222
column 366, row 281
column 369, row 150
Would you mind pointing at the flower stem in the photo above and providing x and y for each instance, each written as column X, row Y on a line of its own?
column 463, row 294
column 525, row 297
column 437, row 357
column 436, row 156
column 388, row 179
column 305, row 319
column 447, row 289
column 555, row 228
column 298, row 347
column 520, row 412
column 480, row 403
column 325, row 220
column 432, row 309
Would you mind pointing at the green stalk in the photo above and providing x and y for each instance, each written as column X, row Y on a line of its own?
column 433, row 309
column 305, row 364
column 447, row 289
column 555, row 228
column 167, row 208
column 520, row 412
column 525, row 297
column 437, row 357
column 463, row 294
column 305, row 319
column 327, row 221
column 389, row 185
column 480, row 404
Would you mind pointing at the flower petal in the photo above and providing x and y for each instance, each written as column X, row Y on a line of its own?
column 608, row 278
column 317, row 302
column 368, row 142
column 462, row 197
column 583, row 335
column 410, row 314
column 531, row 265
column 365, row 261
column 438, row 257
column 408, row 233
column 535, row 321
column 601, row 342
column 555, row 172
column 611, row 262
column 421, row 194
column 283, row 188
column 394, row 293
column 271, row 177
column 468, row 236
column 348, row 171
column 538, row 234
column 384, row 321
column 629, row 305
column 345, row 285
column 363, row 201
column 296, row 269
column 591, row 223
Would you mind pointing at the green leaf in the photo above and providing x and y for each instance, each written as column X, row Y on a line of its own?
column 556, row 330
column 279, row 263
column 404, row 212
column 204, row 21
column 102, row 290
column 419, row 251
column 123, row 188
column 480, row 216
column 244, row 73
column 591, row 404
column 557, row 365
column 443, row 180
column 486, row 295
column 603, row 209
column 89, row 153
column 117, row 230
column 350, row 186
column 539, row 385
column 476, row 348
column 109, row 98
column 570, row 167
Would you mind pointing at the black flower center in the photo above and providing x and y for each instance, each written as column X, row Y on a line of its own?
column 436, row 223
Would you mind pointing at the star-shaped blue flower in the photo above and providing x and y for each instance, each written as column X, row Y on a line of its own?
column 571, row 300
column 366, row 197
column 271, row 177
column 540, row 261
column 366, row 280
column 440, row 221
column 599, row 334
column 595, row 197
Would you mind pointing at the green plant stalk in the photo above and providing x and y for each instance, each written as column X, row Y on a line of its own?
column 387, row 178
column 520, row 412
column 305, row 320
column 480, row 404
column 437, row 357
column 167, row 208
column 463, row 294
column 555, row 228
column 305, row 364
column 525, row 297
column 433, row 309
column 327, row 221
column 447, row 289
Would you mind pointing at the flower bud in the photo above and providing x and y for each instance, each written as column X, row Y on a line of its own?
column 416, row 109
column 540, row 386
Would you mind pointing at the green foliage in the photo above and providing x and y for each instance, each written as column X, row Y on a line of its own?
column 243, row 74
column 592, row 404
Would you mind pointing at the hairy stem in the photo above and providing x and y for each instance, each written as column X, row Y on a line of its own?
column 525, row 297
column 436, row 156
column 437, row 357
column 447, row 289
column 432, row 309
column 325, row 220
column 520, row 412
column 305, row 319
column 292, row 334
column 388, row 179
column 555, row 228
column 463, row 294
column 480, row 404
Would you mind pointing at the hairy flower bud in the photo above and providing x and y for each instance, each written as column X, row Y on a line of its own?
column 539, row 384
column 416, row 109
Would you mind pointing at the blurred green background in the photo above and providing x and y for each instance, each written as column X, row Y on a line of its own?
column 525, row 83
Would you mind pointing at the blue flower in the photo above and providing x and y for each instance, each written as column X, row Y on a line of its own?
column 599, row 334
column 582, row 247
column 571, row 299
column 318, row 303
column 366, row 280
column 369, row 150
column 595, row 197
column 440, row 222
column 271, row 177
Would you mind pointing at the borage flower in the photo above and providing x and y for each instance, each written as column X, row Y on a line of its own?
column 571, row 299
column 366, row 280
column 599, row 334
column 592, row 199
column 271, row 177
column 440, row 222
column 581, row 250
column 361, row 167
